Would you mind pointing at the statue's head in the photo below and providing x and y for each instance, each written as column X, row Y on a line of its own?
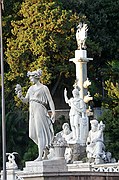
column 75, row 92
column 94, row 124
column 80, row 25
column 65, row 125
column 66, row 128
column 35, row 74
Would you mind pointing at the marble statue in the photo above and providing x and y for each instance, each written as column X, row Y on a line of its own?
column 88, row 97
column 107, row 157
column 86, row 83
column 66, row 133
column 11, row 164
column 40, row 123
column 77, row 111
column 68, row 154
column 81, row 35
column 63, row 138
column 95, row 144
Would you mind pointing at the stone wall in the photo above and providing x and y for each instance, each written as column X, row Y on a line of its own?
column 60, row 113
column 58, row 170
column 72, row 176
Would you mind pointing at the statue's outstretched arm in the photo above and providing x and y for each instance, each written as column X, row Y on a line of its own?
column 65, row 96
column 18, row 91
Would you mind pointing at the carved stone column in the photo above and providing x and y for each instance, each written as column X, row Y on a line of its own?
column 81, row 61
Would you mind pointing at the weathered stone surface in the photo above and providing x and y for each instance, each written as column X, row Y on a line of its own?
column 78, row 152
column 56, row 165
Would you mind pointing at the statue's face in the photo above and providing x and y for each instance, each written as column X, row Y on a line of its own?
column 66, row 130
column 94, row 127
column 33, row 79
column 75, row 93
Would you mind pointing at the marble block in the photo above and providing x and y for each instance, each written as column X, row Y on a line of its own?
column 79, row 166
column 55, row 165
column 80, row 54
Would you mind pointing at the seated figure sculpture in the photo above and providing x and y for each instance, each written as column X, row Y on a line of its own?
column 77, row 110
column 65, row 136
column 66, row 133
column 95, row 145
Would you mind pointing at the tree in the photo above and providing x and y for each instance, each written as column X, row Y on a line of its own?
column 110, row 117
column 16, row 133
column 44, row 38
column 111, row 109
column 9, row 13
column 103, row 17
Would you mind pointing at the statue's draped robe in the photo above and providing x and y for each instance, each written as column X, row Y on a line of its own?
column 77, row 107
column 96, row 146
column 40, row 125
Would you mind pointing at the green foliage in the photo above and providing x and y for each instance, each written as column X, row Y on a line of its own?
column 16, row 123
column 31, row 152
column 111, row 120
column 111, row 84
column 113, row 93
column 111, row 102
column 113, row 71
column 11, row 8
column 43, row 39
column 16, row 133
column 103, row 17
column 73, row 5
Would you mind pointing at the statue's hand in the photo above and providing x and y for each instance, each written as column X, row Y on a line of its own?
column 19, row 94
column 65, row 92
column 18, row 88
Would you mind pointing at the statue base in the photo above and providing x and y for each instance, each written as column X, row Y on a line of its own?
column 79, row 166
column 55, row 165
column 78, row 152
column 80, row 54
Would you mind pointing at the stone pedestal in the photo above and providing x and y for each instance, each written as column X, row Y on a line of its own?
column 56, row 165
column 11, row 175
column 80, row 54
column 78, row 152
column 79, row 166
